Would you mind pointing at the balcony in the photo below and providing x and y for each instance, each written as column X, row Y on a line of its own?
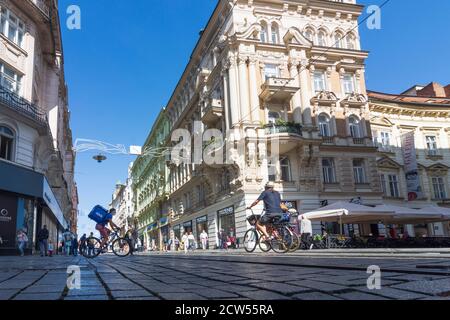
column 14, row 102
column 278, row 89
column 359, row 141
column 42, row 6
column 289, row 135
column 327, row 140
column 212, row 112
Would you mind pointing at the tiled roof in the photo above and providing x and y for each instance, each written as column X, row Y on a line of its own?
column 399, row 98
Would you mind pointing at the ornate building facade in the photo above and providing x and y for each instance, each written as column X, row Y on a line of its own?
column 292, row 71
column 424, row 113
column 36, row 158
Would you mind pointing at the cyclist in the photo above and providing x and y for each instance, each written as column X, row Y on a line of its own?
column 272, row 205
column 104, row 231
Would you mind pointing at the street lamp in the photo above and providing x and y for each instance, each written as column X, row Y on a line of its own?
column 99, row 158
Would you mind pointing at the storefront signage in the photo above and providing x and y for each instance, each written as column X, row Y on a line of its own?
column 8, row 217
column 52, row 203
column 152, row 226
column 226, row 211
column 202, row 219
column 411, row 167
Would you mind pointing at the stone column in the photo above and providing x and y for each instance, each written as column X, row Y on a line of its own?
column 226, row 98
column 297, row 98
column 305, row 92
column 254, row 98
column 234, row 102
column 243, row 90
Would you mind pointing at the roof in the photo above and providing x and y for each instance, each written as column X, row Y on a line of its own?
column 408, row 99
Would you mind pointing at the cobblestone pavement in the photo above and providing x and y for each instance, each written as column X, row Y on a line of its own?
column 221, row 276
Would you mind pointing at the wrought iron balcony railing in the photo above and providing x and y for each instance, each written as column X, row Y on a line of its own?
column 13, row 101
column 284, row 128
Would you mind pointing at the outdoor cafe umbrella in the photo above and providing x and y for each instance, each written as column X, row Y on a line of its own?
column 405, row 215
column 347, row 212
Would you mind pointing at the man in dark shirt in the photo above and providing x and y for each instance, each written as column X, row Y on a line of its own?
column 272, row 206
column 43, row 240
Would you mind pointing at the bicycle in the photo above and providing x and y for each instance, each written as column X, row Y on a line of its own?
column 120, row 246
column 281, row 237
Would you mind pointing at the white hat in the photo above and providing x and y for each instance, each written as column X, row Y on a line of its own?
column 270, row 184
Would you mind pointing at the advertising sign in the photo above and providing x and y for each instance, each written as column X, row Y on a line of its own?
column 411, row 167
column 8, row 220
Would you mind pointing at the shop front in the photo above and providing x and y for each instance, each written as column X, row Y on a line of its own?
column 28, row 203
column 152, row 236
column 187, row 226
column 201, row 224
column 226, row 221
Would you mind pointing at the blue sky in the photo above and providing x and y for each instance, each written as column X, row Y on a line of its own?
column 124, row 63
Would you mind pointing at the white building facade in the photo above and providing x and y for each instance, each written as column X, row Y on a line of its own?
column 36, row 158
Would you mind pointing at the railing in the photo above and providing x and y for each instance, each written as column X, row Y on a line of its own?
column 328, row 140
column 358, row 141
column 284, row 128
column 14, row 101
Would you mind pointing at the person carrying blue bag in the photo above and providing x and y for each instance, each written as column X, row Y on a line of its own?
column 103, row 217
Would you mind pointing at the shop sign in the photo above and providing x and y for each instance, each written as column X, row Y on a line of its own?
column 52, row 203
column 8, row 217
column 411, row 167
column 152, row 227
column 202, row 219
column 226, row 211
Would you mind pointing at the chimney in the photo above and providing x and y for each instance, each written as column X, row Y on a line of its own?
column 447, row 91
column 434, row 90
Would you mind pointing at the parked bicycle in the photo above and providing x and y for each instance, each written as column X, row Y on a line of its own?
column 120, row 246
column 281, row 237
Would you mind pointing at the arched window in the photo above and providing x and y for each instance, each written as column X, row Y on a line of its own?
column 355, row 127
column 275, row 33
column 264, row 31
column 338, row 40
column 322, row 38
column 324, row 125
column 350, row 42
column 6, row 143
column 309, row 34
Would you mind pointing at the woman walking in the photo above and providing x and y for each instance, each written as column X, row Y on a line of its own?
column 22, row 240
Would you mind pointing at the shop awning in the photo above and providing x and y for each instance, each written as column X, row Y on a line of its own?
column 152, row 226
column 27, row 182
column 404, row 215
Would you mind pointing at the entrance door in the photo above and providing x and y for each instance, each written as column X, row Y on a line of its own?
column 8, row 220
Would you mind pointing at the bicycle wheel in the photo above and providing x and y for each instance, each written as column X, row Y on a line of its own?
column 250, row 240
column 295, row 245
column 121, row 247
column 93, row 248
column 282, row 240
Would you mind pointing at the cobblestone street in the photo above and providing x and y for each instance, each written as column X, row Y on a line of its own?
column 223, row 276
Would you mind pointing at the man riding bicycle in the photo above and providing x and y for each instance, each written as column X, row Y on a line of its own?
column 272, row 205
column 101, row 226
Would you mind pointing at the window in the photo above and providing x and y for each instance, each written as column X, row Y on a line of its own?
column 338, row 40
column 383, row 184
column 329, row 174
column 393, row 186
column 385, row 138
column 322, row 39
column 271, row 71
column 10, row 80
column 272, row 170
column 273, row 117
column 324, row 125
column 285, row 169
column 309, row 34
column 264, row 32
column 6, row 143
column 275, row 37
column 358, row 171
column 12, row 27
column 355, row 127
column 439, row 188
column 350, row 42
column 348, row 83
column 431, row 145
column 319, row 81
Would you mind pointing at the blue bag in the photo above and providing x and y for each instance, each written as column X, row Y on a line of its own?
column 98, row 214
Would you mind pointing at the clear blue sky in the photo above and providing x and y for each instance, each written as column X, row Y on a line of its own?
column 124, row 63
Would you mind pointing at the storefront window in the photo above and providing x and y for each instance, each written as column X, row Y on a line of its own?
column 202, row 224
column 187, row 226
column 177, row 232
column 226, row 220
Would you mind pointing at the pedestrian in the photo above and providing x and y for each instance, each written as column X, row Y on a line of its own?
column 306, row 232
column 22, row 240
column 177, row 243
column 224, row 239
column 82, row 244
column 42, row 237
column 50, row 248
column 191, row 241
column 68, row 237
column 90, row 244
column 75, row 245
column 134, row 238
column 185, row 242
column 204, row 239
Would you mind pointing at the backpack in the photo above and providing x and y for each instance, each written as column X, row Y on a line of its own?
column 98, row 214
